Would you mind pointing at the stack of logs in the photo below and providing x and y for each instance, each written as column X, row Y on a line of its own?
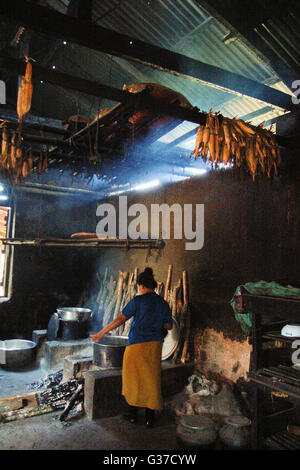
column 114, row 295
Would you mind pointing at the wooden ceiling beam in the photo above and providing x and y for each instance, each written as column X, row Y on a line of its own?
column 95, row 37
column 136, row 100
column 30, row 121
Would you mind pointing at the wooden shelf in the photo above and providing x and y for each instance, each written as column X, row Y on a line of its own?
column 262, row 304
column 281, row 381
column 277, row 336
column 282, row 441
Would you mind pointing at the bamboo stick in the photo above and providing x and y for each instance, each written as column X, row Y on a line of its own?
column 110, row 306
column 187, row 315
column 169, row 277
column 119, row 294
column 109, row 243
column 180, row 318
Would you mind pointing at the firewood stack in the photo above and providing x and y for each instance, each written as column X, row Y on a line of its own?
column 114, row 295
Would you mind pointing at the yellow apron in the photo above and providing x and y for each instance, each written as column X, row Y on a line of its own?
column 141, row 375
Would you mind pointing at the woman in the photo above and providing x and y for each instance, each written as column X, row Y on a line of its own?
column 141, row 372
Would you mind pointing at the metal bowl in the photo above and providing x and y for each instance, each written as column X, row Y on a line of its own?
column 291, row 330
column 74, row 313
column 17, row 352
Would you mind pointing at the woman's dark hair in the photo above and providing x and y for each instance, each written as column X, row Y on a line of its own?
column 146, row 279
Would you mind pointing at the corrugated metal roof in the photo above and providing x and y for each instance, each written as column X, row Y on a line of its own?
column 182, row 27
column 282, row 35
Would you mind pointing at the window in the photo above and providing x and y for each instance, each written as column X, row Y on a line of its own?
column 5, row 251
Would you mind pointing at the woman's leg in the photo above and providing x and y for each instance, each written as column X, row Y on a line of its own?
column 132, row 414
column 149, row 417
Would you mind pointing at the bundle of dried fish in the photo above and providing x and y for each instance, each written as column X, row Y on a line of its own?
column 25, row 92
column 237, row 143
column 16, row 161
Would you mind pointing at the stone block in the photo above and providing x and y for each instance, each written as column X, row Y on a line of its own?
column 102, row 393
column 39, row 335
column 56, row 351
column 40, row 338
column 75, row 366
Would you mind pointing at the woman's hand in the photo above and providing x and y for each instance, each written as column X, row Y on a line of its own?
column 96, row 336
column 114, row 324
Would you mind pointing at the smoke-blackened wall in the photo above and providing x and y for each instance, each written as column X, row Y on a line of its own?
column 251, row 234
column 44, row 278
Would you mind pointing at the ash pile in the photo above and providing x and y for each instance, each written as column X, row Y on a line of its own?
column 50, row 381
column 66, row 396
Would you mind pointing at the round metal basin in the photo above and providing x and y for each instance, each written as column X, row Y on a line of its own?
column 17, row 352
column 108, row 353
column 74, row 313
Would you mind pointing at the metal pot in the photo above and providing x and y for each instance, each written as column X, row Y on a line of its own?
column 235, row 434
column 196, row 432
column 108, row 353
column 74, row 313
column 17, row 352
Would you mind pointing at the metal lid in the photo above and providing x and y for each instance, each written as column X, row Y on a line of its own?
column 197, row 422
column 113, row 341
column 73, row 310
column 238, row 421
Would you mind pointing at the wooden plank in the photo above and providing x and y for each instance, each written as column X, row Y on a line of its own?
column 87, row 34
column 285, row 307
column 292, row 393
column 257, row 423
column 18, row 401
column 137, row 100
column 109, row 243
column 274, row 327
column 26, row 412
column 33, row 122
column 278, row 421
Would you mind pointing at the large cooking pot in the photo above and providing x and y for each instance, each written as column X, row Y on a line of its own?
column 74, row 313
column 108, row 353
column 17, row 352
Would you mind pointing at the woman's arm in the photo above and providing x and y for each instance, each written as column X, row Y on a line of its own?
column 114, row 324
